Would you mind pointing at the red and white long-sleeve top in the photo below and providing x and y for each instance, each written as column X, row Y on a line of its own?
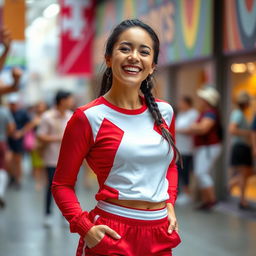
column 126, row 151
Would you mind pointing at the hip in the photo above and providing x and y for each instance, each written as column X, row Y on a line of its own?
column 143, row 232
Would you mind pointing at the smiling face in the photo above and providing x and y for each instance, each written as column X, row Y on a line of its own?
column 132, row 57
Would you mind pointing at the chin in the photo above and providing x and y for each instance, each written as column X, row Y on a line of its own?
column 130, row 82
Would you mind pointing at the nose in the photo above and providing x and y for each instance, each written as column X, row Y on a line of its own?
column 133, row 56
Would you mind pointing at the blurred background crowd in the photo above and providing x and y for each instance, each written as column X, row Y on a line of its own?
column 51, row 62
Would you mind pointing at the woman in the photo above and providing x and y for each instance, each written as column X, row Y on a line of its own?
column 127, row 140
column 187, row 115
column 254, row 137
column 207, row 145
column 36, row 156
column 241, row 151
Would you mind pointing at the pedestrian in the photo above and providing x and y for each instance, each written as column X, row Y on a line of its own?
column 37, row 162
column 241, row 150
column 15, row 142
column 128, row 140
column 254, row 137
column 7, row 127
column 50, row 132
column 186, row 116
column 207, row 141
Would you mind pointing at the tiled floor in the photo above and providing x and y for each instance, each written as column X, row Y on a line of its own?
column 220, row 233
column 251, row 190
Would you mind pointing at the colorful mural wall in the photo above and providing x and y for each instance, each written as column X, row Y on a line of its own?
column 184, row 26
column 240, row 25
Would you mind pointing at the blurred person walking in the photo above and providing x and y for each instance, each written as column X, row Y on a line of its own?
column 254, row 136
column 207, row 140
column 128, row 141
column 15, row 142
column 186, row 116
column 241, row 152
column 50, row 132
column 7, row 127
column 36, row 154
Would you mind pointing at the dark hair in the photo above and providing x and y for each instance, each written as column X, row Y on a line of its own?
column 243, row 105
column 60, row 95
column 147, row 84
column 188, row 100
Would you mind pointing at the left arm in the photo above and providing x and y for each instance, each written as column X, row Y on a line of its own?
column 202, row 127
column 172, row 177
column 16, row 75
column 6, row 41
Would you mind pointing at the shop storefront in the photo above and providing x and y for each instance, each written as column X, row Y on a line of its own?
column 193, row 40
column 185, row 31
column 239, row 47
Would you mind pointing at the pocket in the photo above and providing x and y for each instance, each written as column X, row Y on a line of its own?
column 102, row 246
column 173, row 238
column 99, row 246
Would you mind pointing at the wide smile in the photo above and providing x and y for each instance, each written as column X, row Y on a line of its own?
column 131, row 70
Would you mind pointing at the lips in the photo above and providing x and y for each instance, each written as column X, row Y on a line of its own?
column 131, row 69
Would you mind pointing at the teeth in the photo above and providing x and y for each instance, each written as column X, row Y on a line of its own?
column 132, row 69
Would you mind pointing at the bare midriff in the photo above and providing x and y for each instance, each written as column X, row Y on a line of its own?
column 137, row 204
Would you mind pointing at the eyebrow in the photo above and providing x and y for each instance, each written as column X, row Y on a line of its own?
column 130, row 44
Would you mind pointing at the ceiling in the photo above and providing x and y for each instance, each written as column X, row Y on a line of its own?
column 35, row 9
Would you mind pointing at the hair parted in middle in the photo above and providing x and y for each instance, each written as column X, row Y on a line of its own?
column 146, row 85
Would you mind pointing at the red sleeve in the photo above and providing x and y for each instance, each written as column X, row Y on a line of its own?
column 172, row 172
column 76, row 142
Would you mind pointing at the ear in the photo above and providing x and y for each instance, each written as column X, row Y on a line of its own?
column 108, row 61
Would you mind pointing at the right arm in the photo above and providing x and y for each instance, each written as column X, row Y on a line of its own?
column 75, row 145
column 76, row 142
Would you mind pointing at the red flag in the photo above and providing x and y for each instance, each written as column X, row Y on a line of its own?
column 76, row 37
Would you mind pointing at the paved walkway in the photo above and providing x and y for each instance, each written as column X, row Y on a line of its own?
column 219, row 233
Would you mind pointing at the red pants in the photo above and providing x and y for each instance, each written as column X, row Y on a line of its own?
column 138, row 237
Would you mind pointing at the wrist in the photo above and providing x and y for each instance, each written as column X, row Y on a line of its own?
column 170, row 209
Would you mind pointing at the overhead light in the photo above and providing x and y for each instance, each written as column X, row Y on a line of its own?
column 30, row 1
column 251, row 67
column 238, row 67
column 51, row 11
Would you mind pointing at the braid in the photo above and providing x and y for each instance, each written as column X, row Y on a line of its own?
column 146, row 87
column 106, row 81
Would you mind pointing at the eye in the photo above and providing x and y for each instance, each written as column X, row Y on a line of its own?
column 124, row 49
column 145, row 53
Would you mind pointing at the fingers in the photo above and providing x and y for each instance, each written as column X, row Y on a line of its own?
column 111, row 232
column 16, row 73
column 173, row 226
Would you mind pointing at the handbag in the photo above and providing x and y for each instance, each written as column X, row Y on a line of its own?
column 29, row 141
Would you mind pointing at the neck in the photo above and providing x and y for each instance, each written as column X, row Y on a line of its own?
column 61, row 109
column 126, row 97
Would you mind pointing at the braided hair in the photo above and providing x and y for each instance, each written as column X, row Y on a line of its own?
column 147, row 84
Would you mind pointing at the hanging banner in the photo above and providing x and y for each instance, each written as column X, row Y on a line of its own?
column 11, row 9
column 240, row 25
column 76, row 37
column 185, row 27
